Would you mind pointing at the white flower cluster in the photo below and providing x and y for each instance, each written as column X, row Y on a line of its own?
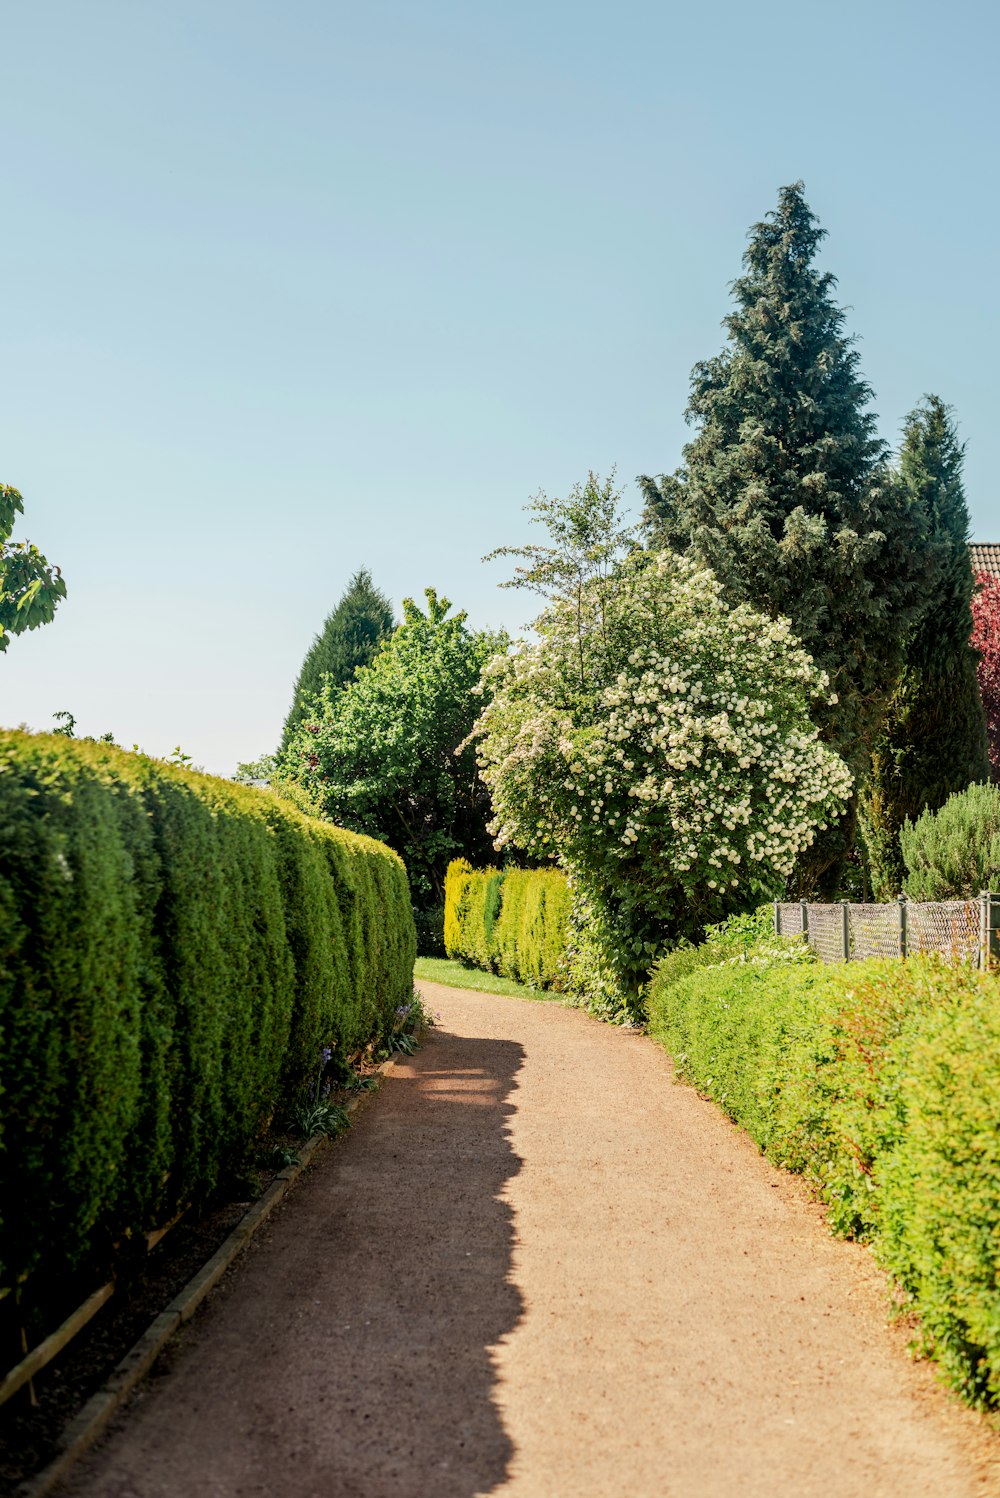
column 656, row 736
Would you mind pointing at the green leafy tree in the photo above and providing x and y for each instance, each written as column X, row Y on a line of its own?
column 30, row 586
column 588, row 539
column 380, row 757
column 657, row 744
column 933, row 741
column 358, row 626
column 785, row 494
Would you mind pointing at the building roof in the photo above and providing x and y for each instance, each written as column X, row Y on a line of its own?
column 986, row 557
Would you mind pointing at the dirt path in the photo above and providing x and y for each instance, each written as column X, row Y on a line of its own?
column 538, row 1268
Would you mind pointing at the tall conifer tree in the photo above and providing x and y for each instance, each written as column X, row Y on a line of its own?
column 786, row 494
column 349, row 638
column 933, row 741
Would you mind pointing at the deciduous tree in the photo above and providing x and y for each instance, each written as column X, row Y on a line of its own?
column 380, row 756
column 986, row 639
column 657, row 744
column 30, row 586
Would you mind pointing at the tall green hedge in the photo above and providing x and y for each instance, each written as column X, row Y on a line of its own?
column 511, row 921
column 174, row 952
column 879, row 1082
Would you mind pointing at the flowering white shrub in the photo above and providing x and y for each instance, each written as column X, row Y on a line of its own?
column 658, row 743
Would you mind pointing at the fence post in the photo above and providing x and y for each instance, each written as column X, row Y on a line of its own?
column 777, row 919
column 845, row 911
column 903, row 932
column 804, row 907
column 989, row 922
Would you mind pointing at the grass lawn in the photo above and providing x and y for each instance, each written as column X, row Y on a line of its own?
column 457, row 975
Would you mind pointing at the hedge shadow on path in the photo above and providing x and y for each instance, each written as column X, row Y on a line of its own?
column 350, row 1353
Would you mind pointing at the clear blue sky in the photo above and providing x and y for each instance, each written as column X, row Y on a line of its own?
column 290, row 289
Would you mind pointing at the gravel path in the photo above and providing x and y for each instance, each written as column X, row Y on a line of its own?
column 538, row 1268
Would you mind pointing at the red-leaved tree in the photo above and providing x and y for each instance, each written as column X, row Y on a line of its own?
column 986, row 638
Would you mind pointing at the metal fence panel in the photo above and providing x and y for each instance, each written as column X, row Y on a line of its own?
column 965, row 930
column 789, row 922
column 874, row 931
column 826, row 932
column 948, row 926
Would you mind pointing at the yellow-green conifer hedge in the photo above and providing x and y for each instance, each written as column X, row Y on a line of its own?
column 175, row 950
column 511, row 921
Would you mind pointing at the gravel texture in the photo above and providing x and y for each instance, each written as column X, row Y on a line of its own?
column 538, row 1267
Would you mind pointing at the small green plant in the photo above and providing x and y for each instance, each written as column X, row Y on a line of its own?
column 407, row 1023
column 281, row 1157
column 323, row 1117
column 953, row 853
column 357, row 1081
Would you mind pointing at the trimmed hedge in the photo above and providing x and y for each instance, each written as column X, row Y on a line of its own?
column 513, row 922
column 879, row 1081
column 174, row 952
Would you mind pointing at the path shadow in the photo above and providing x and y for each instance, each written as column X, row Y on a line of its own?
column 350, row 1354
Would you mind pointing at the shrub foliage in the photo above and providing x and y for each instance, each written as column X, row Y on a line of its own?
column 658, row 743
column 877, row 1081
column 954, row 853
column 175, row 951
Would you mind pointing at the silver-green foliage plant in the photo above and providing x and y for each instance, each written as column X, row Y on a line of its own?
column 658, row 745
column 954, row 853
